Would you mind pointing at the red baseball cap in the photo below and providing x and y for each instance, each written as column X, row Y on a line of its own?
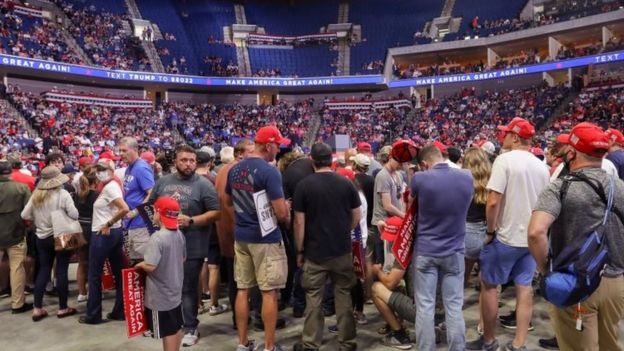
column 392, row 228
column 587, row 138
column 109, row 155
column 270, row 134
column 168, row 209
column 85, row 161
column 440, row 146
column 615, row 136
column 519, row 126
column 346, row 172
column 148, row 157
column 364, row 147
column 537, row 151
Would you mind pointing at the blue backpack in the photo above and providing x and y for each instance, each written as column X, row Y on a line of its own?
column 577, row 270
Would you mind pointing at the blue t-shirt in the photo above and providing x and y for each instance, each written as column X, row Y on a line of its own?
column 444, row 195
column 247, row 177
column 138, row 180
column 617, row 158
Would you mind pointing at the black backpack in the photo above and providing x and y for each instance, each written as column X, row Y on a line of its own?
column 577, row 270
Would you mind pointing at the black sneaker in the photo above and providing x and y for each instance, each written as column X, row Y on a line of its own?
column 25, row 307
column 397, row 339
column 510, row 316
column 511, row 324
column 5, row 293
column 549, row 344
column 259, row 325
column 112, row 317
column 205, row 297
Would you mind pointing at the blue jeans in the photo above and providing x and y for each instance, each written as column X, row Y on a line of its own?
column 450, row 270
column 102, row 247
column 190, row 289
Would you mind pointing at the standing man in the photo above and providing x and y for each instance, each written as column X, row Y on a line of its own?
column 138, row 182
column 13, row 198
column 199, row 209
column 387, row 202
column 517, row 179
column 254, row 187
column 327, row 209
column 616, row 153
column 225, row 224
column 567, row 220
column 366, row 149
column 444, row 194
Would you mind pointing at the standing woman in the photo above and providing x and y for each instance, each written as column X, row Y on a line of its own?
column 50, row 196
column 84, row 200
column 106, row 242
column 478, row 163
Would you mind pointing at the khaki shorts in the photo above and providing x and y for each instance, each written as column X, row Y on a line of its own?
column 137, row 243
column 264, row 265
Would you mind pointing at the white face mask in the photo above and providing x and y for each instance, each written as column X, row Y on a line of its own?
column 102, row 176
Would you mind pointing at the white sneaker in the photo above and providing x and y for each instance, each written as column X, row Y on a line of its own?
column 82, row 298
column 190, row 338
column 147, row 334
column 251, row 346
column 215, row 310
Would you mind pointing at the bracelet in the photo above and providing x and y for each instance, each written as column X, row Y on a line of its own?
column 490, row 233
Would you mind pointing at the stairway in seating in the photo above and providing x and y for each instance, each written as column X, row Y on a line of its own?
column 16, row 115
column 313, row 128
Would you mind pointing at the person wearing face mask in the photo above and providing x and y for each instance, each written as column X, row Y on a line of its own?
column 564, row 167
column 199, row 209
column 106, row 242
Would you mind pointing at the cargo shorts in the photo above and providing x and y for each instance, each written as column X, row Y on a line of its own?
column 262, row 265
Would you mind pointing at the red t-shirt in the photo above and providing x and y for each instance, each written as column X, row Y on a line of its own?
column 20, row 177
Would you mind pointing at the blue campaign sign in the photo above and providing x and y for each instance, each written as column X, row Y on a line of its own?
column 40, row 65
column 504, row 73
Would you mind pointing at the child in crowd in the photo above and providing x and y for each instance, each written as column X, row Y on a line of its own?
column 164, row 265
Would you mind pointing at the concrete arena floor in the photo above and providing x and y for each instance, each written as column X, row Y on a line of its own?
column 19, row 333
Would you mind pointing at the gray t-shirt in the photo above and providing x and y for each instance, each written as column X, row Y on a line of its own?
column 386, row 183
column 196, row 196
column 166, row 249
column 582, row 212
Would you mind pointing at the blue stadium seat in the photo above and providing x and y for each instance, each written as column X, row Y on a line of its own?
column 388, row 24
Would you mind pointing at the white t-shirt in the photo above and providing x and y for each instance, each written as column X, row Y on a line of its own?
column 607, row 166
column 520, row 177
column 103, row 208
column 363, row 224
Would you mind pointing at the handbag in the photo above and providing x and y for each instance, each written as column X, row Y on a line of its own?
column 67, row 231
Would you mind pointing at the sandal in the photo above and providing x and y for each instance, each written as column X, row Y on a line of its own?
column 69, row 312
column 38, row 317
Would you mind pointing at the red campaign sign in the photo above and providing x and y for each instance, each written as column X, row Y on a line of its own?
column 403, row 246
column 134, row 299
column 359, row 259
column 108, row 279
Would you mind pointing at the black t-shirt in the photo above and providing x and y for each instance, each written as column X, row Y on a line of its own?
column 294, row 173
column 367, row 183
column 85, row 208
column 327, row 200
column 476, row 213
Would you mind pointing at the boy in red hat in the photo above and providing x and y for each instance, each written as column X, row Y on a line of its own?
column 164, row 265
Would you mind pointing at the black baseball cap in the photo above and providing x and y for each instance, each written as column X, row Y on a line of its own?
column 321, row 152
column 5, row 167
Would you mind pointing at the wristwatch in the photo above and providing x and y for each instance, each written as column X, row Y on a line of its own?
column 191, row 221
column 492, row 233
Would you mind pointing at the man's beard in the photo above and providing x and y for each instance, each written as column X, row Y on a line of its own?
column 185, row 175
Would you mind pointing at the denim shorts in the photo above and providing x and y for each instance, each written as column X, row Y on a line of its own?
column 502, row 263
column 475, row 235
